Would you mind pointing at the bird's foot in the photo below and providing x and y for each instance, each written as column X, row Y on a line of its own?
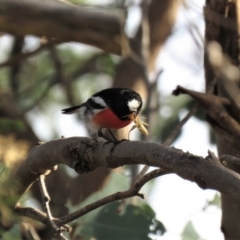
column 110, row 139
column 115, row 143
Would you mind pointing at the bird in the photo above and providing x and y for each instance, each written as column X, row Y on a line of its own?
column 111, row 108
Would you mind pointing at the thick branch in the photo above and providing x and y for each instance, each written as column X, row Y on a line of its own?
column 77, row 153
column 216, row 108
column 54, row 20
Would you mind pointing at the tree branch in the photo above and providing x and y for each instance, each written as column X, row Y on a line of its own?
column 61, row 75
column 218, row 111
column 40, row 216
column 45, row 201
column 78, row 153
column 101, row 29
column 216, row 108
column 131, row 192
column 61, row 222
column 16, row 58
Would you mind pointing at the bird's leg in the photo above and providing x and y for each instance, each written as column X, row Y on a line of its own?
column 102, row 135
column 113, row 139
column 116, row 141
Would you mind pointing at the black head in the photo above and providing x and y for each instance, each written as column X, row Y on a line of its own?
column 122, row 101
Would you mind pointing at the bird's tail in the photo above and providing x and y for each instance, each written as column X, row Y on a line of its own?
column 71, row 110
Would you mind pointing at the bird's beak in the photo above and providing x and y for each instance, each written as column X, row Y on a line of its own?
column 132, row 116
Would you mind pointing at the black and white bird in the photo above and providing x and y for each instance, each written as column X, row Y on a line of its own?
column 112, row 108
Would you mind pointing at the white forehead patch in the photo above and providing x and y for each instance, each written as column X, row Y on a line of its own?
column 133, row 105
column 99, row 101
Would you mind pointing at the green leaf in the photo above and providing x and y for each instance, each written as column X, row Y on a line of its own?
column 10, row 125
column 133, row 223
column 189, row 233
column 13, row 233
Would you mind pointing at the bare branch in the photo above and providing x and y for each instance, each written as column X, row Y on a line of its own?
column 22, row 56
column 77, row 153
column 89, row 66
column 46, row 201
column 216, row 108
column 61, row 75
column 68, row 22
column 176, row 130
column 40, row 216
column 131, row 192
column 61, row 222
column 16, row 69
column 228, row 158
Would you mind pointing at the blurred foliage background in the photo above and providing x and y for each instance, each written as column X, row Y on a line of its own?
column 35, row 88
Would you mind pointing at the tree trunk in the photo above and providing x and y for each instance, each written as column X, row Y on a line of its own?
column 222, row 26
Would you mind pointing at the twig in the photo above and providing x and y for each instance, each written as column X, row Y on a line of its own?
column 176, row 130
column 132, row 191
column 60, row 74
column 50, row 83
column 152, row 87
column 46, row 200
column 228, row 158
column 39, row 216
column 89, row 66
column 192, row 28
column 172, row 135
column 42, row 217
column 62, row 237
column 16, row 69
column 23, row 56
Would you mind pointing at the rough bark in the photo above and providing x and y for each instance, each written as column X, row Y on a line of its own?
column 78, row 153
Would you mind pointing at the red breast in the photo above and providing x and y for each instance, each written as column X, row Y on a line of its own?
column 107, row 119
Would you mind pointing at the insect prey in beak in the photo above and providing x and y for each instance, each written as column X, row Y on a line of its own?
column 139, row 124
